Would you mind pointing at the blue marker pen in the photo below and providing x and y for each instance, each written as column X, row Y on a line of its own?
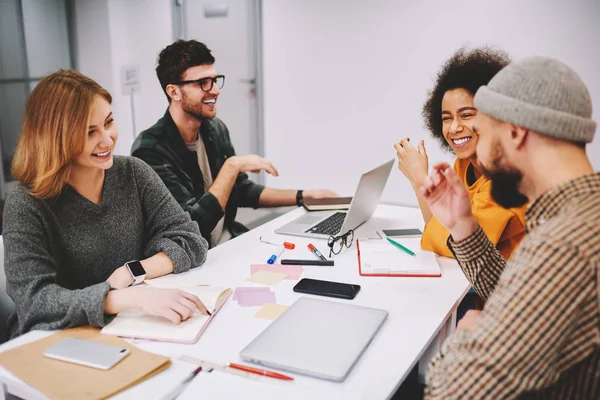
column 275, row 256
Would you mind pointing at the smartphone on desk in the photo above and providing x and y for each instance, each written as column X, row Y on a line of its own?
column 327, row 288
column 400, row 233
column 86, row 352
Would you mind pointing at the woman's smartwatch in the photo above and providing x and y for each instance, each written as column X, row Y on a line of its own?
column 137, row 271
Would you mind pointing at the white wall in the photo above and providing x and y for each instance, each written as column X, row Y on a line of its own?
column 114, row 33
column 92, row 43
column 45, row 26
column 345, row 79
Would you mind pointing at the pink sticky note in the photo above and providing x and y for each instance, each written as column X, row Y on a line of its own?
column 293, row 271
column 256, row 298
column 242, row 289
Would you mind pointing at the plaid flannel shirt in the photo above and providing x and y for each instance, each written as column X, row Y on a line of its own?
column 539, row 335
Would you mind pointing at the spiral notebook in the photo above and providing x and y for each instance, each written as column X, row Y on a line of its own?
column 377, row 257
column 136, row 324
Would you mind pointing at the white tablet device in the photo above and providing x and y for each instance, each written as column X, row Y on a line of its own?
column 320, row 338
column 86, row 352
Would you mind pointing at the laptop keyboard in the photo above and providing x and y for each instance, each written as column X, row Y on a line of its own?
column 329, row 226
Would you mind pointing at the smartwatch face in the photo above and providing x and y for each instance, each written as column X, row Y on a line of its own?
column 136, row 268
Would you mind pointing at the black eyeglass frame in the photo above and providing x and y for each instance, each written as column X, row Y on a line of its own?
column 345, row 242
column 213, row 80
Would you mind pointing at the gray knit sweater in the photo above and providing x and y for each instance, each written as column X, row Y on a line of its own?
column 59, row 252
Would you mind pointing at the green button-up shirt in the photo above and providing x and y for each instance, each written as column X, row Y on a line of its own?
column 162, row 147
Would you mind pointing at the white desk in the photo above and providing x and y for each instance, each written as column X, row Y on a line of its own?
column 419, row 310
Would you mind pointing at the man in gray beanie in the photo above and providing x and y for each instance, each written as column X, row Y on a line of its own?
column 539, row 334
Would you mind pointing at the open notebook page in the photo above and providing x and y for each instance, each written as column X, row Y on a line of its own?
column 378, row 256
column 176, row 281
column 136, row 324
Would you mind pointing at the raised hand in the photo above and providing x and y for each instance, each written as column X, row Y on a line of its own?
column 448, row 200
column 412, row 162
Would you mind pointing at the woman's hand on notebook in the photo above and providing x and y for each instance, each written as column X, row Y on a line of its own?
column 172, row 304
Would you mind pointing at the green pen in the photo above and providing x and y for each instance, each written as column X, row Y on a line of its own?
column 398, row 245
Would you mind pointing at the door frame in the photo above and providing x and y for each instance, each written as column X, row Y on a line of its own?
column 180, row 31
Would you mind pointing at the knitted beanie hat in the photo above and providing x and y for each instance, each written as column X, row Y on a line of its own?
column 540, row 94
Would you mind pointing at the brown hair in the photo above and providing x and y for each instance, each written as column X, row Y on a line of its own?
column 54, row 131
column 177, row 57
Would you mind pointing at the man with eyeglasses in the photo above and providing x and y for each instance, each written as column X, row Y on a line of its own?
column 190, row 148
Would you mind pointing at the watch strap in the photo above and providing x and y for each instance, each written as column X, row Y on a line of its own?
column 299, row 197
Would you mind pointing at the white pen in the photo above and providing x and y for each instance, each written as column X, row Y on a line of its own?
column 276, row 255
column 287, row 245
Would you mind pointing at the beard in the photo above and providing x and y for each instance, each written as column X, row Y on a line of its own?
column 505, row 188
column 194, row 109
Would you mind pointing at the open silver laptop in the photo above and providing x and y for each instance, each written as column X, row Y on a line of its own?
column 322, row 224
column 319, row 338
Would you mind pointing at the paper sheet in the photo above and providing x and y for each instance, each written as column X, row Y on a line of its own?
column 239, row 290
column 380, row 257
column 256, row 298
column 271, row 311
column 267, row 277
column 175, row 281
column 293, row 271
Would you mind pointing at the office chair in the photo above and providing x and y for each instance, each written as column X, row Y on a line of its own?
column 6, row 304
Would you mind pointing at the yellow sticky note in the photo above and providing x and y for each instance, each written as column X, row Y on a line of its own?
column 267, row 277
column 270, row 311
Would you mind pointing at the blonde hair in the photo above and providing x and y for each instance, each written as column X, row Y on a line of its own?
column 54, row 131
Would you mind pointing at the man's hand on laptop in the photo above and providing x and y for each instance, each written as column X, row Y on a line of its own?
column 319, row 194
column 449, row 201
column 252, row 163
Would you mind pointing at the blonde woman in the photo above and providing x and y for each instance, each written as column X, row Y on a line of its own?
column 83, row 226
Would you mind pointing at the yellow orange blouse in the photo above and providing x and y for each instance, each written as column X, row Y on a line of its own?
column 504, row 227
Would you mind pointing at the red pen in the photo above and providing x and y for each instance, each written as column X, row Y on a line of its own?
column 312, row 248
column 263, row 372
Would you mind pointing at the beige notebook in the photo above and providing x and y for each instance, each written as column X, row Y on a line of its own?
column 64, row 380
column 136, row 324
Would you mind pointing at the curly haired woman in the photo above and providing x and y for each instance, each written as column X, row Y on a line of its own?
column 449, row 114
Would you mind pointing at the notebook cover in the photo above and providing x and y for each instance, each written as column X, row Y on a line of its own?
column 59, row 379
column 333, row 203
column 391, row 273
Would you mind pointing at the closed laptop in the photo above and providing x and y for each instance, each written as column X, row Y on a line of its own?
column 319, row 338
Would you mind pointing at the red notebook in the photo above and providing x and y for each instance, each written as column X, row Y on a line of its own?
column 378, row 257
